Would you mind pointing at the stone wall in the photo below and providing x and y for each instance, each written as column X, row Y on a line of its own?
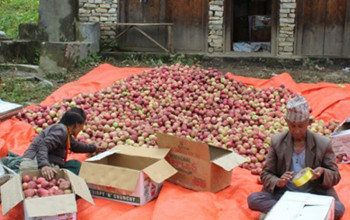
column 216, row 26
column 286, row 27
column 103, row 11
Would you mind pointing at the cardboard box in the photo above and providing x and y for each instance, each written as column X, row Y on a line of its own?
column 58, row 207
column 260, row 22
column 6, row 170
column 260, row 28
column 298, row 206
column 200, row 166
column 8, row 109
column 341, row 141
column 127, row 174
column 260, row 36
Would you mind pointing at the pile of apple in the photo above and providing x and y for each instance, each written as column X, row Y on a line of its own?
column 187, row 101
column 39, row 187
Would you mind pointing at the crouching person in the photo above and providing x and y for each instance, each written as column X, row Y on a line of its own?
column 49, row 150
column 290, row 152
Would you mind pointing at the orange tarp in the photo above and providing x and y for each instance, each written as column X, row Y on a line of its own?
column 328, row 101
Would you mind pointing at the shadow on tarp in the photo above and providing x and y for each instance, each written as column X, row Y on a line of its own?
column 328, row 101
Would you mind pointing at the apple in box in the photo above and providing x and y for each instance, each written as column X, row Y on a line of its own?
column 44, row 199
column 34, row 187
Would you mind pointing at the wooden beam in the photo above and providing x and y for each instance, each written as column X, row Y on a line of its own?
column 123, row 32
column 150, row 38
column 346, row 46
column 144, row 24
column 228, row 25
column 170, row 39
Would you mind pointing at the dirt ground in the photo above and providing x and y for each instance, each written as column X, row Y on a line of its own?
column 302, row 71
column 305, row 71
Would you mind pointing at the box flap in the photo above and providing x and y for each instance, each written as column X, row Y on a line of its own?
column 302, row 205
column 8, row 109
column 106, row 175
column 79, row 186
column 160, row 171
column 167, row 141
column 142, row 151
column 11, row 194
column 343, row 128
column 103, row 155
column 229, row 161
column 8, row 170
column 184, row 146
column 52, row 205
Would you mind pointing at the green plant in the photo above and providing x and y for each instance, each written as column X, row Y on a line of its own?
column 36, row 60
column 112, row 45
column 185, row 59
column 92, row 60
column 59, row 76
column 23, row 91
column 157, row 59
column 15, row 12
column 308, row 62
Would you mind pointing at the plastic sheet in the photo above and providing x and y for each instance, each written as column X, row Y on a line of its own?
column 328, row 101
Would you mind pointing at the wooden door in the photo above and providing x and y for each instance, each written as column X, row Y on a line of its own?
column 190, row 18
column 142, row 11
column 323, row 28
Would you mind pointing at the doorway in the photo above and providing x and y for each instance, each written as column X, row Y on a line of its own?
column 250, row 26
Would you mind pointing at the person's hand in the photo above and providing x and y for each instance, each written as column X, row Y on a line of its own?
column 317, row 173
column 48, row 172
column 284, row 179
column 100, row 149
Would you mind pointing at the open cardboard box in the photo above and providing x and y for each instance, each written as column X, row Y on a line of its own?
column 341, row 141
column 200, row 166
column 57, row 207
column 127, row 174
column 299, row 206
column 8, row 109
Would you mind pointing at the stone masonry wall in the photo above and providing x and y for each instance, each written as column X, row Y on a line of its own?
column 103, row 11
column 216, row 26
column 286, row 27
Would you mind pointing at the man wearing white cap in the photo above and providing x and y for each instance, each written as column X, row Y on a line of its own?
column 292, row 151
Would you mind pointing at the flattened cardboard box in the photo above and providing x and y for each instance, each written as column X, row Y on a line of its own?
column 300, row 206
column 341, row 141
column 200, row 166
column 58, row 207
column 127, row 174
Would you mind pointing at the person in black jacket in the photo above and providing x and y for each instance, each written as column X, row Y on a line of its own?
column 51, row 146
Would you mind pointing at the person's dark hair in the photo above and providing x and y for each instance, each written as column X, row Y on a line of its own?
column 73, row 116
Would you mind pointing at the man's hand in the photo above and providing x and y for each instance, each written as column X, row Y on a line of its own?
column 48, row 172
column 317, row 173
column 284, row 179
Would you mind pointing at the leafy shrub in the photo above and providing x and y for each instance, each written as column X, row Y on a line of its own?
column 15, row 12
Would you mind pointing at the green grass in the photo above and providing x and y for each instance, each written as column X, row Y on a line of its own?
column 24, row 92
column 153, row 60
column 28, row 92
column 15, row 12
